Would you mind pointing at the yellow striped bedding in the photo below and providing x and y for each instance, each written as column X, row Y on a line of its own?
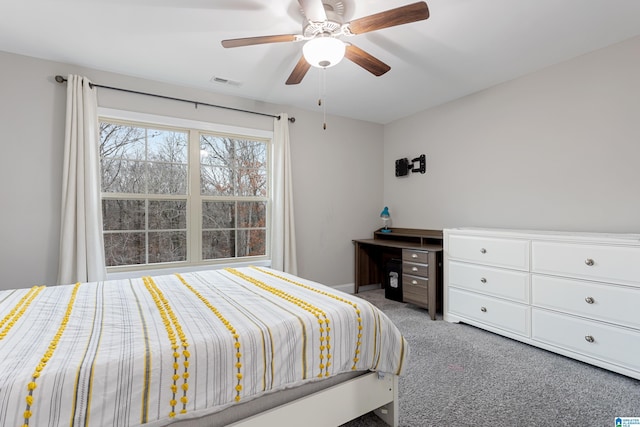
column 152, row 350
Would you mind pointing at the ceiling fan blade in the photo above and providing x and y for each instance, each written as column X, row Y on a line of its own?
column 398, row 16
column 365, row 60
column 313, row 10
column 299, row 71
column 248, row 41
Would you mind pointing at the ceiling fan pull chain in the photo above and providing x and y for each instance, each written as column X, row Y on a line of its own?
column 323, row 95
column 320, row 89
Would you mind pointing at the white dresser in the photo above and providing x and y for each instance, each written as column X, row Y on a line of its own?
column 576, row 294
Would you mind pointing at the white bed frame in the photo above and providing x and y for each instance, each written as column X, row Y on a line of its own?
column 336, row 405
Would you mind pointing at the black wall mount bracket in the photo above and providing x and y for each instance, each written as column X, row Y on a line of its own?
column 418, row 164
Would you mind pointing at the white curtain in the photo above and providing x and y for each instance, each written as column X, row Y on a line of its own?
column 81, row 242
column 283, row 238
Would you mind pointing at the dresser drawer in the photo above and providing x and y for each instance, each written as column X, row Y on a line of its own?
column 609, row 303
column 616, row 345
column 508, row 284
column 501, row 314
column 413, row 255
column 616, row 264
column 508, row 253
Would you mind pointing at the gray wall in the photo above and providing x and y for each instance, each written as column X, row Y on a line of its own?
column 557, row 149
column 336, row 172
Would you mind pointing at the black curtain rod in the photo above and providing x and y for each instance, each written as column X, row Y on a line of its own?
column 61, row 79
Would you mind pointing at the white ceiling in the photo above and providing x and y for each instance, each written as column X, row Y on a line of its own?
column 465, row 46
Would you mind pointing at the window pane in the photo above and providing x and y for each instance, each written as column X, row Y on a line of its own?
column 143, row 161
column 216, row 151
column 167, row 246
column 167, row 178
column 123, row 176
column 218, row 215
column 251, row 242
column 167, row 153
column 216, row 181
column 124, row 248
column 122, row 141
column 252, row 214
column 167, row 214
column 123, row 214
column 167, row 146
column 252, row 182
column 251, row 154
column 233, row 166
column 218, row 244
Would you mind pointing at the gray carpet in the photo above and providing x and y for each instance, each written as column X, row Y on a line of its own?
column 461, row 376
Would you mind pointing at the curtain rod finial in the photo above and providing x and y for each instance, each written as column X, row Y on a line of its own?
column 290, row 119
column 60, row 79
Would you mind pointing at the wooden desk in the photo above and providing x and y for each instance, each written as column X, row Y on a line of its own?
column 372, row 255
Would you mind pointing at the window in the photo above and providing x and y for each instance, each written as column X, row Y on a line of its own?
column 186, row 195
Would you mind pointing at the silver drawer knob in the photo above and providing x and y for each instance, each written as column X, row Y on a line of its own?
column 483, row 280
column 483, row 251
column 589, row 300
column 589, row 262
column 483, row 309
column 414, row 268
column 589, row 338
column 414, row 255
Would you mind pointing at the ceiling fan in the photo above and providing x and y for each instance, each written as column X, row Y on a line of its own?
column 323, row 28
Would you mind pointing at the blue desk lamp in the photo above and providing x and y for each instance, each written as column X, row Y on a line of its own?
column 386, row 216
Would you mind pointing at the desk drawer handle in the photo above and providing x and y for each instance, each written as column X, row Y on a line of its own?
column 483, row 251
column 414, row 268
column 589, row 300
column 589, row 262
column 414, row 255
column 414, row 282
column 483, row 309
column 483, row 280
column 589, row 338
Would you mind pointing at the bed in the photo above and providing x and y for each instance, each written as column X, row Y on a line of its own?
column 246, row 347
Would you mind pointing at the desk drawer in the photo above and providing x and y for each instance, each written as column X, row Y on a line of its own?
column 598, row 301
column 616, row 264
column 409, row 280
column 415, row 269
column 416, row 294
column 509, row 316
column 413, row 255
column 508, row 253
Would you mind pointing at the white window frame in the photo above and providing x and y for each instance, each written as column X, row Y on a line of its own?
column 194, row 216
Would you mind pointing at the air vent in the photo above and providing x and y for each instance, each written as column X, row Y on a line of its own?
column 223, row 81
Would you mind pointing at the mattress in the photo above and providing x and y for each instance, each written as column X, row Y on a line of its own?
column 156, row 350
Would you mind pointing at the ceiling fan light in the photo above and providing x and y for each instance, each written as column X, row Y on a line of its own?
column 323, row 52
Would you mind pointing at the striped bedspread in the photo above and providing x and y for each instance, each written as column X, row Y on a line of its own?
column 151, row 350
